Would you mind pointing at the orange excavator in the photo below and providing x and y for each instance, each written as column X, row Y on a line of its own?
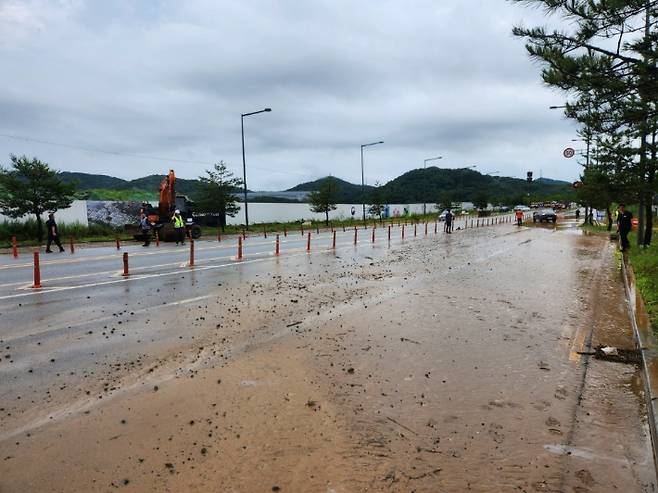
column 160, row 216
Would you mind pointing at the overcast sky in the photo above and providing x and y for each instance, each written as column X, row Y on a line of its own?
column 169, row 79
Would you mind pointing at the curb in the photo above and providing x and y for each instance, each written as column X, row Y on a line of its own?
column 646, row 343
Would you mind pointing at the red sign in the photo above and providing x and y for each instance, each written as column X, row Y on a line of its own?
column 569, row 153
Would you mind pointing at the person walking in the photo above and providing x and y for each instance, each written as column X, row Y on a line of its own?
column 519, row 217
column 624, row 224
column 53, row 234
column 179, row 227
column 577, row 214
column 145, row 228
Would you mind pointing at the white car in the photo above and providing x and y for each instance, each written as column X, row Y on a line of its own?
column 524, row 208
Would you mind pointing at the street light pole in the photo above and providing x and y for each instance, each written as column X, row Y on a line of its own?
column 425, row 167
column 363, row 181
column 244, row 163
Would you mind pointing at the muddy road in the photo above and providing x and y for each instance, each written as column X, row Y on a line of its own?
column 444, row 363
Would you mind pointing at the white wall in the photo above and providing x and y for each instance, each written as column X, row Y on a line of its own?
column 76, row 213
column 285, row 212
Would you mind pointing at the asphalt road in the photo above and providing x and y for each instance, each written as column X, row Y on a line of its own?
column 440, row 363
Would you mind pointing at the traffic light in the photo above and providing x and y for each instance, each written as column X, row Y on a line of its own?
column 529, row 176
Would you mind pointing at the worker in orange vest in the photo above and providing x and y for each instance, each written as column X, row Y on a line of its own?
column 519, row 217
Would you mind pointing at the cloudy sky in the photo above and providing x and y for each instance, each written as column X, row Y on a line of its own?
column 154, row 81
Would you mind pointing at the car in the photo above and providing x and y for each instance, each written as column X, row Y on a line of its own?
column 542, row 215
column 523, row 208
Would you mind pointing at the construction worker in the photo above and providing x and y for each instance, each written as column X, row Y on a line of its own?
column 53, row 235
column 145, row 228
column 519, row 217
column 179, row 227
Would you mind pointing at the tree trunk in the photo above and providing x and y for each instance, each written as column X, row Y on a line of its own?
column 326, row 219
column 651, row 181
column 609, row 216
column 39, row 228
column 586, row 214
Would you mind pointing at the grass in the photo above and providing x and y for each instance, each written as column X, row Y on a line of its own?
column 645, row 266
column 26, row 232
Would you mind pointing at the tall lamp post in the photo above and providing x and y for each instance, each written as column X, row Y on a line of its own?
column 363, row 181
column 244, row 163
column 424, row 167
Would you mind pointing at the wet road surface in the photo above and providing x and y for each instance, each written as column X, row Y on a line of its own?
column 441, row 363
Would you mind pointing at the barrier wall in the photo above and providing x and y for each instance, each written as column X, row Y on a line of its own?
column 77, row 213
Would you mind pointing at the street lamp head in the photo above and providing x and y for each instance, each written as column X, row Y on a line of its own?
column 267, row 109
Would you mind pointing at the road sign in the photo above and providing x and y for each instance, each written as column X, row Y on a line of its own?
column 569, row 153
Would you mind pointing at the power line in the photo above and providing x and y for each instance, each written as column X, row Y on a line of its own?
column 140, row 156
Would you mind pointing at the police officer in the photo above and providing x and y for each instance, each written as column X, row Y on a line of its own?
column 179, row 227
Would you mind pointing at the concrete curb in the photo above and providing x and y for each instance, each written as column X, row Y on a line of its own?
column 646, row 343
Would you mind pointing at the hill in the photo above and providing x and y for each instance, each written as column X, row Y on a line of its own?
column 420, row 185
column 348, row 193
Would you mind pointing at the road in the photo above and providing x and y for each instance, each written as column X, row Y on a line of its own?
column 433, row 363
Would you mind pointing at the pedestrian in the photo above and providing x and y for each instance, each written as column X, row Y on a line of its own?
column 179, row 227
column 577, row 214
column 145, row 228
column 53, row 234
column 448, row 225
column 624, row 225
column 519, row 217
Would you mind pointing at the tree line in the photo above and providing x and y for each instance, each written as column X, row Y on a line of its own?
column 604, row 58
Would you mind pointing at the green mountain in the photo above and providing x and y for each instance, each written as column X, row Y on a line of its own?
column 419, row 185
column 347, row 193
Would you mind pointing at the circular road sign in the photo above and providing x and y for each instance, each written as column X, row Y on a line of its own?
column 569, row 152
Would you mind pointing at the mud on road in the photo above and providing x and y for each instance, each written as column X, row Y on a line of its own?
column 452, row 363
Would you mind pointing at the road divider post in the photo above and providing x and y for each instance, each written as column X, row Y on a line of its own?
column 126, row 273
column 356, row 232
column 157, row 238
column 276, row 248
column 308, row 242
column 191, row 252
column 415, row 228
column 425, row 228
column 285, row 231
column 37, row 271
column 118, row 243
column 14, row 247
column 333, row 241
column 239, row 247
column 373, row 235
column 389, row 233
column 403, row 230
column 71, row 245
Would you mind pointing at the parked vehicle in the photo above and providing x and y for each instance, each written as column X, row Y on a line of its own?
column 523, row 208
column 542, row 215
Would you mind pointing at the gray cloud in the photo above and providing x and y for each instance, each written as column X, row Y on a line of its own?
column 168, row 78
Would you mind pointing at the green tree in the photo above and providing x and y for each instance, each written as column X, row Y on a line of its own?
column 323, row 201
column 29, row 186
column 216, row 192
column 377, row 202
column 480, row 200
column 444, row 201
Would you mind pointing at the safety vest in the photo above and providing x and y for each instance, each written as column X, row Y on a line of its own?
column 178, row 222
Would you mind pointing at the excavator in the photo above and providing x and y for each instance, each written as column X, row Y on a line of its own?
column 160, row 216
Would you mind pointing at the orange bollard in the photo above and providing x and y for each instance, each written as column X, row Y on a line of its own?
column 415, row 228
column 244, row 234
column 355, row 234
column 239, row 247
column 71, row 246
column 308, row 242
column 389, row 233
column 403, row 231
column 125, row 265
column 373, row 235
column 436, row 227
column 477, row 224
column 302, row 229
column 343, row 228
column 276, row 248
column 425, row 228
column 317, row 229
column 14, row 247
column 333, row 242
column 118, row 244
column 157, row 238
column 37, row 271
column 219, row 236
column 191, row 252
column 264, row 232
column 285, row 231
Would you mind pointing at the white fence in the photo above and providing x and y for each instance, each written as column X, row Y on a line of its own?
column 77, row 213
column 82, row 211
